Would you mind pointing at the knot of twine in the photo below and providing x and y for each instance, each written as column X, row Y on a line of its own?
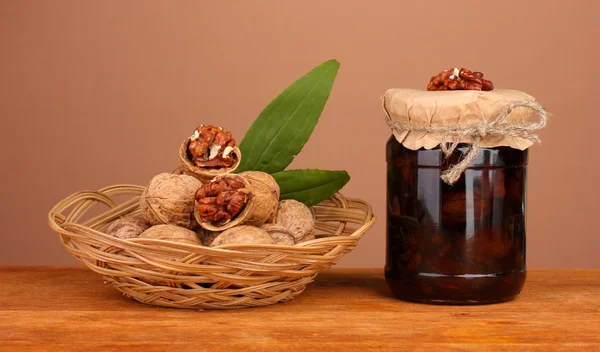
column 477, row 132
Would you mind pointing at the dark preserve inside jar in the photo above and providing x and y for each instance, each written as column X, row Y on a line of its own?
column 455, row 244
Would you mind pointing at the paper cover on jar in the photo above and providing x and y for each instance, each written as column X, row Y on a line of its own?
column 463, row 107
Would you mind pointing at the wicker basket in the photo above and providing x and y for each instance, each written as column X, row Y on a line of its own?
column 177, row 275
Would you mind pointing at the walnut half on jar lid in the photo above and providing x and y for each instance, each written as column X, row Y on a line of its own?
column 209, row 152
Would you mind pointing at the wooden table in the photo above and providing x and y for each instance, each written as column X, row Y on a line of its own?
column 70, row 309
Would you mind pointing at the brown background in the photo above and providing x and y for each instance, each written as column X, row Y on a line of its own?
column 97, row 93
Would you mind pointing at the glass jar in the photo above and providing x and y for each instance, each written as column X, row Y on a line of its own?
column 458, row 244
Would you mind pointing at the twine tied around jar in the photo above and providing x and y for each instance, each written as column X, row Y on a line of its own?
column 477, row 132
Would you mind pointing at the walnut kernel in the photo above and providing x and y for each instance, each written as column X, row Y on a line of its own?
column 209, row 152
column 249, row 198
column 463, row 79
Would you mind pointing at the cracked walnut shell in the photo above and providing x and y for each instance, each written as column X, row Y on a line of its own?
column 169, row 199
column 209, row 152
column 221, row 199
column 249, row 198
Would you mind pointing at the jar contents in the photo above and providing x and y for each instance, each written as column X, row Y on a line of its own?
column 455, row 244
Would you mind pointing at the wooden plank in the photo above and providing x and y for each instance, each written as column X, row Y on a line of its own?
column 70, row 309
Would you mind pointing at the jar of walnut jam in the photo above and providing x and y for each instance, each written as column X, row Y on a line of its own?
column 455, row 244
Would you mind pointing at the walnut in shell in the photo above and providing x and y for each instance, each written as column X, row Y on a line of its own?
column 168, row 233
column 298, row 218
column 242, row 235
column 267, row 190
column 209, row 152
column 130, row 226
column 171, row 233
column 250, row 198
column 280, row 234
column 169, row 199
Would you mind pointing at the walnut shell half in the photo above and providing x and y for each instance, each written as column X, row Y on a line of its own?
column 206, row 174
column 260, row 207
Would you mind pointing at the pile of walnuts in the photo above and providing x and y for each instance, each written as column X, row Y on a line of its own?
column 205, row 203
column 463, row 79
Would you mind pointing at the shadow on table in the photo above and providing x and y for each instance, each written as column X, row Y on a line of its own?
column 372, row 281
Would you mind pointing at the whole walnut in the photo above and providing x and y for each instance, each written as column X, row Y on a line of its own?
column 169, row 199
column 266, row 188
column 280, row 234
column 171, row 233
column 242, row 235
column 296, row 217
column 130, row 226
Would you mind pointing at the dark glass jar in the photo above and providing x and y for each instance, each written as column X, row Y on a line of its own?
column 459, row 244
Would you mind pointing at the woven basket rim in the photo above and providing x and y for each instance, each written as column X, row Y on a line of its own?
column 156, row 272
column 100, row 194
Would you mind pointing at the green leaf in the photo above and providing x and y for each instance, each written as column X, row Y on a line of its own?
column 310, row 186
column 284, row 126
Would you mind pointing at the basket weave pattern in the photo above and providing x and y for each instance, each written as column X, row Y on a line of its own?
column 178, row 275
